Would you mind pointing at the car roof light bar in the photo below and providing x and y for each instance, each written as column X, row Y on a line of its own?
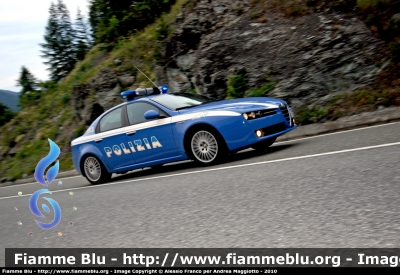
column 141, row 92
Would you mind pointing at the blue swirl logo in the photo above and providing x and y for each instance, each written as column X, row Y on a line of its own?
column 46, row 181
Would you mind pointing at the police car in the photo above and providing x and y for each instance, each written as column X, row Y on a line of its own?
column 153, row 128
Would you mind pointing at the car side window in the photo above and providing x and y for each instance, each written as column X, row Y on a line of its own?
column 136, row 112
column 111, row 121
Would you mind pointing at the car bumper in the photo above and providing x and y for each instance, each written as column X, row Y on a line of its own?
column 241, row 133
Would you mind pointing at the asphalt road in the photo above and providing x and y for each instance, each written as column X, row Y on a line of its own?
column 336, row 190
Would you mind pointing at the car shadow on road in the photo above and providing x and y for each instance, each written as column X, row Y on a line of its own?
column 188, row 166
column 255, row 153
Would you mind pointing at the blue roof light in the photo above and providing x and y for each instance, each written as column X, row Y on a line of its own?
column 128, row 94
column 164, row 89
column 131, row 94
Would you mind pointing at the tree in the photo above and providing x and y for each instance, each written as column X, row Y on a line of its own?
column 110, row 19
column 5, row 114
column 59, row 48
column 30, row 88
column 27, row 81
column 82, row 36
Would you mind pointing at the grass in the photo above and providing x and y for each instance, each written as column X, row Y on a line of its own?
column 262, row 90
column 237, row 86
column 254, row 15
column 370, row 3
column 293, row 7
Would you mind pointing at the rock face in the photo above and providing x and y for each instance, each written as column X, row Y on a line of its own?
column 311, row 58
column 183, row 51
column 91, row 100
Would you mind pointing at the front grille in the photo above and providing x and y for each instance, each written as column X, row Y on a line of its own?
column 273, row 129
column 285, row 111
column 264, row 113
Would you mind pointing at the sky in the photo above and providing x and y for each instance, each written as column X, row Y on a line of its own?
column 22, row 27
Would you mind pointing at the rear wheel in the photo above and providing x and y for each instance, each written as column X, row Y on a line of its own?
column 263, row 145
column 205, row 147
column 94, row 170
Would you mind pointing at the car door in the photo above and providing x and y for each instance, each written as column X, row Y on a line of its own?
column 153, row 140
column 111, row 140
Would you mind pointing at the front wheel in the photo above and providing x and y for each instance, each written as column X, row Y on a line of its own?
column 94, row 170
column 205, row 147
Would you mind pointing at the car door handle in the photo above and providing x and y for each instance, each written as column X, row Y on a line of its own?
column 131, row 133
column 98, row 140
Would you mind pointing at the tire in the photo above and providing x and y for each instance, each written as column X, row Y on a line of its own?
column 94, row 170
column 263, row 145
column 206, row 147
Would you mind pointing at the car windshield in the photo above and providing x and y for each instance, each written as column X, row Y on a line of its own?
column 179, row 101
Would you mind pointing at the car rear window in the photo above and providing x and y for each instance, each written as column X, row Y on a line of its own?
column 111, row 121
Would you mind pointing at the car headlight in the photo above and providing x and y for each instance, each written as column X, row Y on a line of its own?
column 292, row 115
column 258, row 114
column 260, row 133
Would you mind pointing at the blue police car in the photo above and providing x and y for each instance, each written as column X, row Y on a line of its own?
column 153, row 128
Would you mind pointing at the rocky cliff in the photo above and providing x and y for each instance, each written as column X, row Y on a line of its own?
column 310, row 58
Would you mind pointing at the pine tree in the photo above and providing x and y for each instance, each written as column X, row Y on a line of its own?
column 112, row 18
column 5, row 114
column 97, row 14
column 30, row 88
column 59, row 48
column 27, row 81
column 82, row 36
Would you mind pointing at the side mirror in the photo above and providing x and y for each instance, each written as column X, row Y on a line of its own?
column 151, row 114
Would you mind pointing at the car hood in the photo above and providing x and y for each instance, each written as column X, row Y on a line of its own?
column 239, row 105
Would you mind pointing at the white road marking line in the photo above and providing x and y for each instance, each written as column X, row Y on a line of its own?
column 279, row 142
column 227, row 167
column 335, row 133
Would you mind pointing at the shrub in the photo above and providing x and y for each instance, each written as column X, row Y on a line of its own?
column 261, row 91
column 254, row 15
column 349, row 104
column 310, row 115
column 163, row 29
column 65, row 99
column 237, row 86
column 293, row 7
column 29, row 99
column 370, row 3
column 193, row 91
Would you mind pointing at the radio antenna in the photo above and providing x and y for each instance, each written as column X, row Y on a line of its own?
column 146, row 76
